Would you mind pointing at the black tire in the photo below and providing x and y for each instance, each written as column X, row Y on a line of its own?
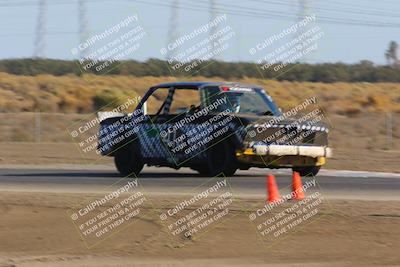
column 220, row 159
column 128, row 160
column 307, row 171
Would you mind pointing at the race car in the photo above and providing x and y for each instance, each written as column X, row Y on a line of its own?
column 214, row 128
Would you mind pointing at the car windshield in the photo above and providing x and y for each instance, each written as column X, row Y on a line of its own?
column 242, row 100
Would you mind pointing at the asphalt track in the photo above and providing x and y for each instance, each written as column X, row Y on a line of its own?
column 251, row 183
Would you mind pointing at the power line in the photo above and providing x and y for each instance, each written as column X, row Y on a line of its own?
column 359, row 10
column 35, row 3
column 273, row 14
column 278, row 15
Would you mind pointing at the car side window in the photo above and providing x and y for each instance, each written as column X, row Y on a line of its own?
column 184, row 100
column 155, row 101
column 211, row 95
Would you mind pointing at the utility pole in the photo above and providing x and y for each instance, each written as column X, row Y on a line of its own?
column 83, row 28
column 173, row 28
column 41, row 27
column 303, row 9
column 302, row 14
column 213, row 30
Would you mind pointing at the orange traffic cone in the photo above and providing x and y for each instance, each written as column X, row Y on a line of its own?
column 297, row 187
column 272, row 189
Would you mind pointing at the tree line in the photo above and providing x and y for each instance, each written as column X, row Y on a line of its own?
column 364, row 71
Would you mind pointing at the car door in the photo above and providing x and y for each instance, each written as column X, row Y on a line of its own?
column 165, row 138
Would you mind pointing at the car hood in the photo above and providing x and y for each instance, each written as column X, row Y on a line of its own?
column 279, row 130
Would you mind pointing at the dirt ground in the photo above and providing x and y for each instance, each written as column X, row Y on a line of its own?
column 36, row 230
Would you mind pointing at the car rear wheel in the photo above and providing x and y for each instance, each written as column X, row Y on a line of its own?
column 128, row 160
column 220, row 160
column 307, row 171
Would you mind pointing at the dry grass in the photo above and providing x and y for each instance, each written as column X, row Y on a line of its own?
column 73, row 94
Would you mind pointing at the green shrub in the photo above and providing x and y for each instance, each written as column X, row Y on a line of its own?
column 107, row 99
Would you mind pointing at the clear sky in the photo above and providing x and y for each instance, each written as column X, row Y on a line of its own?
column 349, row 26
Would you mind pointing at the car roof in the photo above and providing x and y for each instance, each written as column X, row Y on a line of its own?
column 196, row 85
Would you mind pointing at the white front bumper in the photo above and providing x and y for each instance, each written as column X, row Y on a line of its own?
column 282, row 150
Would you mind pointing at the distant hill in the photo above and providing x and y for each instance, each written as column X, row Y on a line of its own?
column 365, row 71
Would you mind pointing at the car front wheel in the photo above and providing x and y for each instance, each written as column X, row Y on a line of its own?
column 307, row 171
column 220, row 160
